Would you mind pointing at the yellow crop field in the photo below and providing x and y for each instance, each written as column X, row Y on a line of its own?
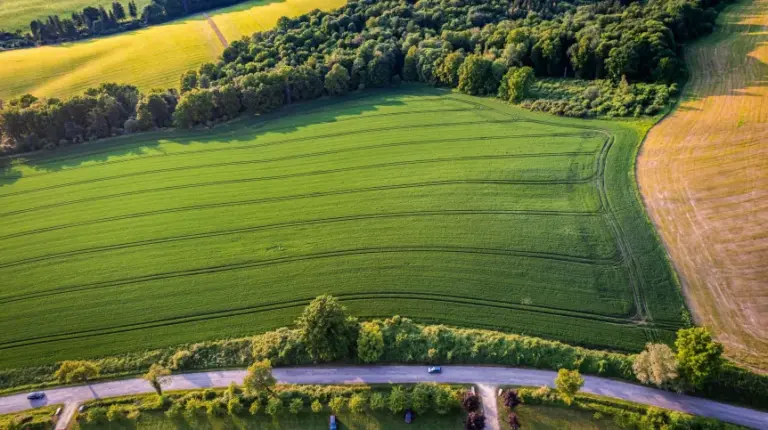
column 703, row 172
column 149, row 58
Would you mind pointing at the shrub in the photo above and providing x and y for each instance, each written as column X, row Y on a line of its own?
column 234, row 407
column 296, row 406
column 317, row 407
column 274, row 407
column 568, row 383
column 96, row 415
column 357, row 403
column 337, row 404
column 656, row 365
column 421, row 397
column 255, row 408
column 377, row 402
column 397, row 401
column 471, row 402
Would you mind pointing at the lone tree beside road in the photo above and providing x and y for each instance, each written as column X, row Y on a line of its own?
column 77, row 371
column 656, row 365
column 568, row 383
column 260, row 377
column 327, row 329
column 157, row 376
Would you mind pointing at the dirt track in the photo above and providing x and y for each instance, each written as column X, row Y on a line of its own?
column 703, row 173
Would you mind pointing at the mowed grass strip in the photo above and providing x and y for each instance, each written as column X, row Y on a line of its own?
column 153, row 57
column 421, row 203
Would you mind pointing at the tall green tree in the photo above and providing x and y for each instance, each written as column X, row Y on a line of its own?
column 337, row 80
column 370, row 342
column 327, row 329
column 259, row 377
column 157, row 376
column 699, row 357
column 568, row 383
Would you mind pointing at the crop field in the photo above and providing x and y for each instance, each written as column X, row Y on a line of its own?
column 16, row 14
column 153, row 57
column 418, row 202
column 703, row 172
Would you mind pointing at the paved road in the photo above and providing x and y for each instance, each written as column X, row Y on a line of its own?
column 482, row 375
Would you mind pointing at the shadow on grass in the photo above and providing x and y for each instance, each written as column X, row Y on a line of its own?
column 325, row 110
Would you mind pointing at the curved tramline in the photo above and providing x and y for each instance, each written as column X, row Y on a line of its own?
column 418, row 202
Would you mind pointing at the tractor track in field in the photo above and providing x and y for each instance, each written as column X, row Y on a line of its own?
column 637, row 281
column 610, row 262
column 265, row 227
column 309, row 174
column 280, row 305
column 216, row 31
column 287, row 158
column 273, row 200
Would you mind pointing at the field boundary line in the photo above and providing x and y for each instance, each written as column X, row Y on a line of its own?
column 266, row 227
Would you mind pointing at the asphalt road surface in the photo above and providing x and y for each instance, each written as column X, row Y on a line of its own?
column 482, row 375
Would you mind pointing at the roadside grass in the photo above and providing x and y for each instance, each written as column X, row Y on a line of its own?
column 38, row 418
column 539, row 417
column 153, row 57
column 703, row 171
column 419, row 202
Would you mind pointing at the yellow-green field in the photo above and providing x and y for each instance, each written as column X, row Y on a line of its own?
column 16, row 14
column 153, row 57
column 704, row 176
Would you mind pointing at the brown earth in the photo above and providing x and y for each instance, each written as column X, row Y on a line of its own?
column 703, row 173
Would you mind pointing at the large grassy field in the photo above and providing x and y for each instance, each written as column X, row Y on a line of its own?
column 704, row 175
column 154, row 57
column 424, row 203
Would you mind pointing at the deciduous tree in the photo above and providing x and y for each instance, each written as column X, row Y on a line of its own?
column 568, row 383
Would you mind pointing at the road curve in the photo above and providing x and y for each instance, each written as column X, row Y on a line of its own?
column 488, row 375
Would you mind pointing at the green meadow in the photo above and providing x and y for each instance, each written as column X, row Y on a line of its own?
column 419, row 202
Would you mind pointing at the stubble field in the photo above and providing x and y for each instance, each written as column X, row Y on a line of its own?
column 153, row 57
column 418, row 202
column 703, row 172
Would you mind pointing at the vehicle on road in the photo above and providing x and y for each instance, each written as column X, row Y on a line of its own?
column 332, row 425
column 37, row 395
column 434, row 369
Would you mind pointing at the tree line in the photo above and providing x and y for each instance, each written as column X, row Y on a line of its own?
column 100, row 20
column 482, row 48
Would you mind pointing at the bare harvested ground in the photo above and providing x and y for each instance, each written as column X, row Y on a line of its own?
column 703, row 173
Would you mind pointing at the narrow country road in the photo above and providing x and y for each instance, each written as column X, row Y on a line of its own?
column 481, row 375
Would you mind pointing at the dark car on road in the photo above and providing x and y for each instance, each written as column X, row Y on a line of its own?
column 434, row 369
column 37, row 395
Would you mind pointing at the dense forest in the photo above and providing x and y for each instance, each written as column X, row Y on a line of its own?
column 627, row 57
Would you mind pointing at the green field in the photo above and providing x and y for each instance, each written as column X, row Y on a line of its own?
column 419, row 202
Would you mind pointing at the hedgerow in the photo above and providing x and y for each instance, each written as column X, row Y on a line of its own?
column 286, row 399
column 626, row 415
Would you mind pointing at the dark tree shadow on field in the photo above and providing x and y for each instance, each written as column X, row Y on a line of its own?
column 284, row 121
column 7, row 173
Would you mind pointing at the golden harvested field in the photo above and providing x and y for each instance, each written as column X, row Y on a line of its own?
column 703, row 173
column 153, row 57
